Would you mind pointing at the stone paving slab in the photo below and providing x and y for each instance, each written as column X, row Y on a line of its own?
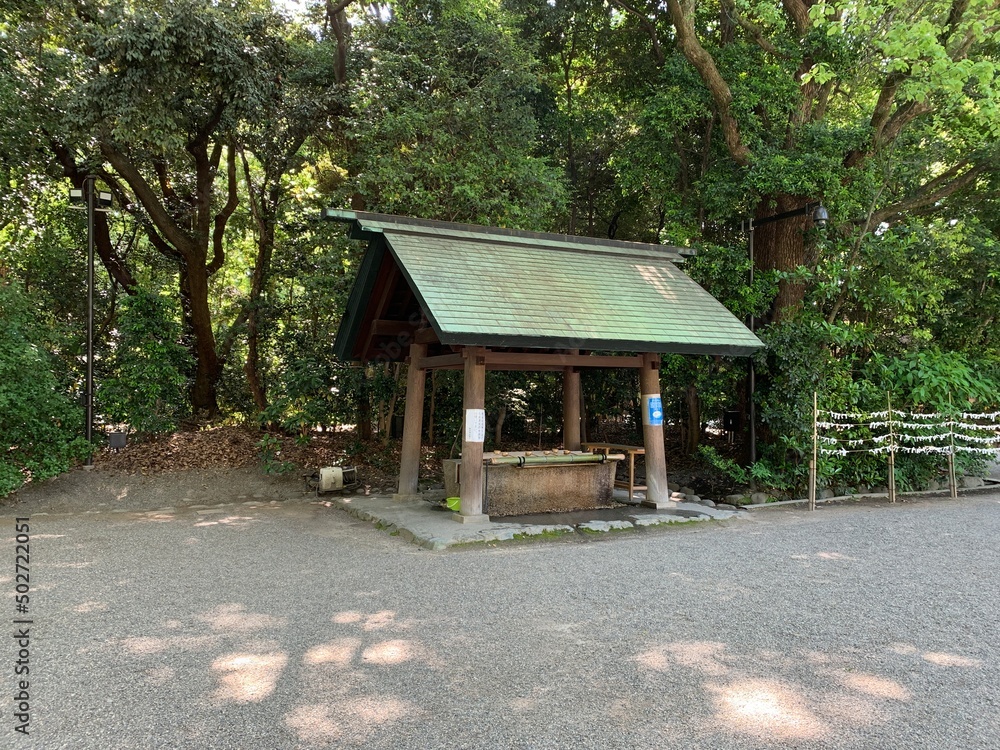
column 432, row 527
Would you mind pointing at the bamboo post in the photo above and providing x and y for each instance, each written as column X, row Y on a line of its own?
column 892, row 452
column 952, row 481
column 815, row 455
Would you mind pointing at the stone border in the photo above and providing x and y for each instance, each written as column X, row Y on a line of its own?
column 988, row 484
column 420, row 524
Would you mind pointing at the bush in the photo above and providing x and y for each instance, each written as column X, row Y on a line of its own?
column 40, row 426
column 146, row 380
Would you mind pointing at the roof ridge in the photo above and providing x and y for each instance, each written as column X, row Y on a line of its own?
column 414, row 226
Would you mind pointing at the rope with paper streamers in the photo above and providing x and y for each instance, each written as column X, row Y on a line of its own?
column 909, row 432
column 893, row 431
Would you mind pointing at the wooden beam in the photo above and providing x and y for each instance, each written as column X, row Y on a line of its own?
column 425, row 336
column 391, row 327
column 527, row 360
column 441, row 361
column 526, row 368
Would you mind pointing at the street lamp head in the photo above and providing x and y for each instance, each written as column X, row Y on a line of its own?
column 820, row 216
column 102, row 198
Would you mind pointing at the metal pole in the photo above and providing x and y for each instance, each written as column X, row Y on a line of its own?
column 752, row 374
column 89, row 183
column 813, row 465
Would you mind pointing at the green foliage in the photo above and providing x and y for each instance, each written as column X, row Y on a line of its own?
column 307, row 393
column 727, row 466
column 576, row 115
column 40, row 426
column 935, row 380
column 269, row 448
column 144, row 382
column 442, row 124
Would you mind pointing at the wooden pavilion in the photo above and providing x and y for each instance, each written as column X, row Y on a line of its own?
column 454, row 296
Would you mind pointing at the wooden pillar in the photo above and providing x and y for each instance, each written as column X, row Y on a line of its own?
column 473, row 426
column 571, row 409
column 413, row 417
column 657, row 492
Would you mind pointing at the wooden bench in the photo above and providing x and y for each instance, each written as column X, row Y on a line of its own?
column 629, row 450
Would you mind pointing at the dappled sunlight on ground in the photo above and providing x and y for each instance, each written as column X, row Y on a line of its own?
column 950, row 660
column 325, row 691
column 228, row 521
column 879, row 687
column 346, row 618
column 702, row 656
column 787, row 697
column 339, row 652
column 833, row 556
column 91, row 607
column 339, row 670
column 389, row 652
column 351, row 720
column 230, row 617
column 248, row 678
column 824, row 555
column 386, row 618
column 938, row 658
column 766, row 709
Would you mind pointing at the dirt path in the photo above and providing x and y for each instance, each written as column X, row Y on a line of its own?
column 105, row 490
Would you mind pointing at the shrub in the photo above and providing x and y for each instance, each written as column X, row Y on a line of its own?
column 40, row 425
column 145, row 382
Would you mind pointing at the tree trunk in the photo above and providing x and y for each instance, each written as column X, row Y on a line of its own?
column 780, row 246
column 693, row 432
column 364, row 409
column 266, row 220
column 194, row 294
column 430, row 416
column 498, row 432
column 391, row 406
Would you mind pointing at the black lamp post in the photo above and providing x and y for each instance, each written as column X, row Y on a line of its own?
column 90, row 200
column 820, row 217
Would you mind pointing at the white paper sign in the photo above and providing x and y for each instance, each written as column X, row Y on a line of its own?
column 475, row 425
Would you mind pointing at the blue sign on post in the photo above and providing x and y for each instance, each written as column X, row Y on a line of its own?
column 652, row 414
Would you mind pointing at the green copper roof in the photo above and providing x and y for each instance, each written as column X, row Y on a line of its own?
column 478, row 286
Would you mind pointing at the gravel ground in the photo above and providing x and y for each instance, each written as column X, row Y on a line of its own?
column 294, row 626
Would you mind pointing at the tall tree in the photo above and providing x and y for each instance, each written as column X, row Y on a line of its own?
column 150, row 96
column 443, row 125
column 882, row 109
